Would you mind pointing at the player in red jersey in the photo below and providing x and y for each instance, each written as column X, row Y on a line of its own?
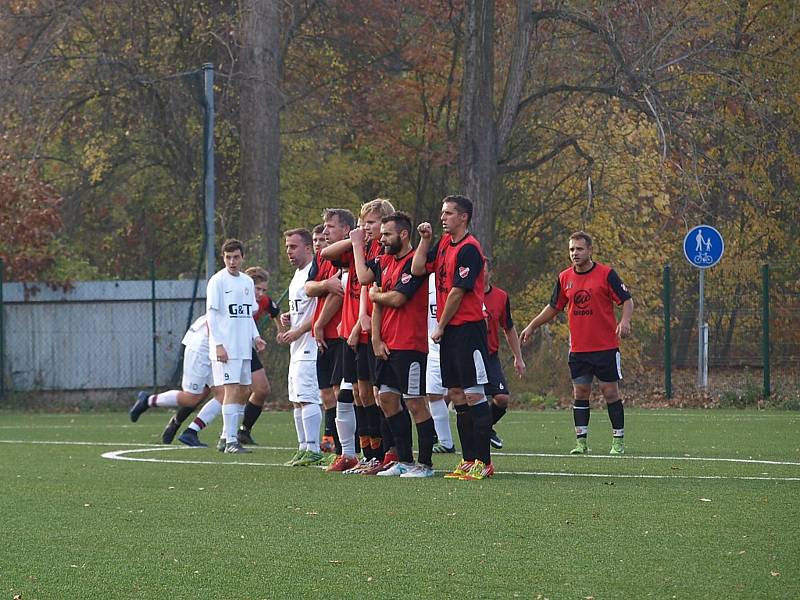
column 457, row 260
column 357, row 357
column 400, row 342
column 498, row 311
column 589, row 290
column 324, row 282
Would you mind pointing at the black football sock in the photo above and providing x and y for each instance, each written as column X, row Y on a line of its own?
column 465, row 431
column 401, row 429
column 482, row 431
column 374, row 431
column 183, row 413
column 497, row 412
column 251, row 414
column 581, row 414
column 616, row 413
column 425, row 434
column 361, row 432
column 386, row 433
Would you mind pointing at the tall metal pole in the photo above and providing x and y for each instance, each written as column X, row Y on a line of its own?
column 765, row 327
column 153, row 315
column 701, row 331
column 208, row 160
column 667, row 334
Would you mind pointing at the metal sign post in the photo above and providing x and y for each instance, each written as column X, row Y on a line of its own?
column 703, row 247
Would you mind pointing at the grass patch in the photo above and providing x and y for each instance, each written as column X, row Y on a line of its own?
column 663, row 521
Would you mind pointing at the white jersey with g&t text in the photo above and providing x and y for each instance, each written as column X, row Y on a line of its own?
column 301, row 307
column 230, row 303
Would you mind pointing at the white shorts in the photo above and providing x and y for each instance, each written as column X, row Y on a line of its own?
column 433, row 377
column 196, row 371
column 236, row 370
column 303, row 383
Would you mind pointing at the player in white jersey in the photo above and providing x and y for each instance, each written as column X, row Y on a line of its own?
column 437, row 395
column 230, row 303
column 304, row 393
column 195, row 386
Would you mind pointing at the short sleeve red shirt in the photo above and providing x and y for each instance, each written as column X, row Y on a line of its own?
column 589, row 299
column 322, row 269
column 498, row 309
column 459, row 265
column 352, row 293
column 405, row 327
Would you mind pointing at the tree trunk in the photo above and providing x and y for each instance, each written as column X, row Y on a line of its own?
column 477, row 137
column 259, row 114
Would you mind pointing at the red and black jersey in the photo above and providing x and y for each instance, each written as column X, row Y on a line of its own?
column 266, row 306
column 498, row 309
column 406, row 327
column 352, row 292
column 460, row 265
column 322, row 269
column 590, row 298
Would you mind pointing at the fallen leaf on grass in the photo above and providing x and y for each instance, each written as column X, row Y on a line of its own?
column 774, row 573
column 705, row 499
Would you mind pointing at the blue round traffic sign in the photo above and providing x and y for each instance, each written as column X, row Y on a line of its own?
column 703, row 246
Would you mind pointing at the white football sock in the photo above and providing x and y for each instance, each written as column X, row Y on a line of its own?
column 230, row 422
column 298, row 426
column 441, row 421
column 312, row 419
column 346, row 427
column 207, row 414
column 168, row 399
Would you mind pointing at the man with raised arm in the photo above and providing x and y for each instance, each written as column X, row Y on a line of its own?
column 457, row 261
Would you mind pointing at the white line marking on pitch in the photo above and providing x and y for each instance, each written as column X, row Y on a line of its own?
column 751, row 461
column 121, row 455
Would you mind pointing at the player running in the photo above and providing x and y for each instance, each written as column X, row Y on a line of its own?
column 196, row 384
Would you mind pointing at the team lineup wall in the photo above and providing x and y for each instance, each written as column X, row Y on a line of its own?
column 96, row 336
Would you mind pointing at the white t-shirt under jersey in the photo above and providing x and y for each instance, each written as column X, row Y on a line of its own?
column 230, row 303
column 196, row 337
column 301, row 307
column 432, row 348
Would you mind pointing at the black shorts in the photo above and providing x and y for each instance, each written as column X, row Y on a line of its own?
column 329, row 364
column 349, row 363
column 464, row 355
column 497, row 385
column 583, row 366
column 404, row 370
column 255, row 362
column 365, row 363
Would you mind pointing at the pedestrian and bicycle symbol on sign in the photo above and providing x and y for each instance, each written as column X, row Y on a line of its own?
column 703, row 246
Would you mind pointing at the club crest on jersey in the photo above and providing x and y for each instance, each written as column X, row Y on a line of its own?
column 405, row 278
column 568, row 286
column 463, row 272
column 246, row 292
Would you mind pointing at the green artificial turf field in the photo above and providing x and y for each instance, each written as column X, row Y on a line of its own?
column 704, row 505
